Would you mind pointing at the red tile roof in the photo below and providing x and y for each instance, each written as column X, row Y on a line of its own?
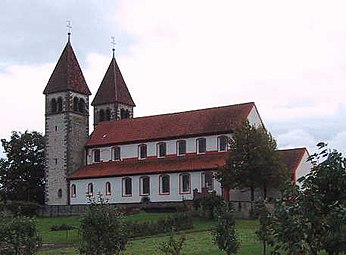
column 67, row 75
column 150, row 166
column 169, row 126
column 113, row 88
column 291, row 158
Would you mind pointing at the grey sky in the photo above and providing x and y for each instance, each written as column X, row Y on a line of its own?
column 289, row 57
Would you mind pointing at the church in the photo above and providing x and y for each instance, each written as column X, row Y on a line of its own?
column 130, row 160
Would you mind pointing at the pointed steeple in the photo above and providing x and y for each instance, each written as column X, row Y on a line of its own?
column 113, row 88
column 67, row 74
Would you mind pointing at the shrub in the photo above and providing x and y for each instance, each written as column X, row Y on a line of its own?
column 178, row 221
column 209, row 205
column 61, row 227
column 22, row 208
column 224, row 234
column 18, row 236
column 173, row 246
column 102, row 229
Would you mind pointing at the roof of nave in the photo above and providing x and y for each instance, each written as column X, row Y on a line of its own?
column 150, row 166
column 209, row 121
column 210, row 161
column 113, row 88
column 67, row 75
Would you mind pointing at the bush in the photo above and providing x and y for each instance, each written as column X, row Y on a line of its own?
column 62, row 227
column 18, row 236
column 178, row 221
column 22, row 208
column 102, row 229
column 173, row 246
column 209, row 205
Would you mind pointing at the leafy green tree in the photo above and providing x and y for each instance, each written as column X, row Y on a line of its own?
column 224, row 234
column 173, row 246
column 264, row 231
column 22, row 172
column 313, row 218
column 252, row 161
column 102, row 229
column 18, row 236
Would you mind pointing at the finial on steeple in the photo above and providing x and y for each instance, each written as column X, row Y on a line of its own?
column 113, row 43
column 69, row 27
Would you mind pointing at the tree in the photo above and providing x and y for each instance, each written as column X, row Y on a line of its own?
column 18, row 236
column 173, row 246
column 252, row 161
column 264, row 231
column 224, row 234
column 102, row 229
column 22, row 172
column 313, row 218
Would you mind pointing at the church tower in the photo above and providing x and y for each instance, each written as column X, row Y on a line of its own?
column 113, row 100
column 66, row 125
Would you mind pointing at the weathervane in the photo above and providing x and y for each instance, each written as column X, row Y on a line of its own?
column 113, row 43
column 69, row 27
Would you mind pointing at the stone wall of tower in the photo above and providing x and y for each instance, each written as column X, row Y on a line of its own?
column 66, row 134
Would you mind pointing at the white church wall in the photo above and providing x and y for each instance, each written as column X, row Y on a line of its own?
column 130, row 151
column 304, row 167
column 99, row 185
column 254, row 117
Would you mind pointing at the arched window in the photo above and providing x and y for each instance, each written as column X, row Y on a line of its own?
column 164, row 184
column 142, row 151
column 102, row 115
column 116, row 153
column 90, row 191
column 73, row 190
column 201, row 145
column 75, row 104
column 53, row 105
column 161, row 150
column 81, row 105
column 108, row 189
column 145, row 185
column 208, row 180
column 59, row 104
column 122, row 114
column 181, row 147
column 127, row 187
column 96, row 155
column 108, row 114
column 185, row 183
column 222, row 142
column 60, row 193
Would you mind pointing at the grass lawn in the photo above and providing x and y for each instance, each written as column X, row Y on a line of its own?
column 199, row 241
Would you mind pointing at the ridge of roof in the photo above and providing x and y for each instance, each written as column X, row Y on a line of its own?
column 181, row 124
column 113, row 88
column 67, row 74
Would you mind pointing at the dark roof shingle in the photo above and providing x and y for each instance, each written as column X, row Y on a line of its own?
column 113, row 88
column 67, row 75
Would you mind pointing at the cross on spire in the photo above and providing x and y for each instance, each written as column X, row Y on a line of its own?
column 113, row 43
column 69, row 28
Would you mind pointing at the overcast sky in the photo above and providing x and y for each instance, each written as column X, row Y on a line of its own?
column 289, row 57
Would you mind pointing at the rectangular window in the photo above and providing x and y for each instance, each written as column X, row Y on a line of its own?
column 164, row 184
column 222, row 142
column 161, row 150
column 181, row 147
column 208, row 181
column 142, row 151
column 116, row 153
column 127, row 187
column 145, row 185
column 185, row 184
column 97, row 155
column 201, row 145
